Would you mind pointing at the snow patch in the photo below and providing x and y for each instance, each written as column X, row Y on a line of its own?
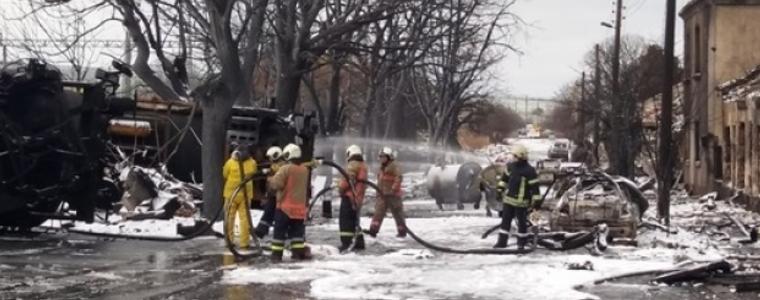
column 106, row 276
column 274, row 275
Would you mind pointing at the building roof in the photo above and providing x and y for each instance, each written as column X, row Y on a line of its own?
column 693, row 4
column 744, row 87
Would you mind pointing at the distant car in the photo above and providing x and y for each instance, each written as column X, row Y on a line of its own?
column 559, row 151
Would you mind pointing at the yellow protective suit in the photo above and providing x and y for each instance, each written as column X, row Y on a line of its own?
column 239, row 205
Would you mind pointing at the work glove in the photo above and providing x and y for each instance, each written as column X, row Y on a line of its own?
column 501, row 187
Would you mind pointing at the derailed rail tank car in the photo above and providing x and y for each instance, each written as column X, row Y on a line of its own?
column 51, row 142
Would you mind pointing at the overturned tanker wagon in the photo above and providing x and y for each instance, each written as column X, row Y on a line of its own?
column 60, row 140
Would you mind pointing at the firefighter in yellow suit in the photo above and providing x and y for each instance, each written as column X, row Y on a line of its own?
column 236, row 169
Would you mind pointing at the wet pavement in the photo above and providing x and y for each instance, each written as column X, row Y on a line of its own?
column 59, row 266
column 74, row 267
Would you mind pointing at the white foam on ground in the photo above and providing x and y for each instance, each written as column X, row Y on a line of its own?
column 413, row 273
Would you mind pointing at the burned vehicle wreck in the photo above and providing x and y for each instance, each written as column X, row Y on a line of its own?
column 583, row 200
column 63, row 143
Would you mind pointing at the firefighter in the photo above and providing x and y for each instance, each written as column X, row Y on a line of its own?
column 274, row 155
column 489, row 182
column 351, row 200
column 239, row 166
column 389, row 181
column 291, row 184
column 519, row 187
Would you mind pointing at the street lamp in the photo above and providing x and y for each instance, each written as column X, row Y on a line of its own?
column 608, row 25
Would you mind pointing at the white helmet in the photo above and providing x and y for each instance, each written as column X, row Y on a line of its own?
column 291, row 152
column 387, row 151
column 353, row 150
column 274, row 153
column 520, row 152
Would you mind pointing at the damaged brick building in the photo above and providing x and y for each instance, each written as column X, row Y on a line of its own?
column 721, row 43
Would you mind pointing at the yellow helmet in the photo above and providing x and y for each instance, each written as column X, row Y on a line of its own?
column 520, row 152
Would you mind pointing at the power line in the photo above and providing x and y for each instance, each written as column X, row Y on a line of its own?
column 96, row 43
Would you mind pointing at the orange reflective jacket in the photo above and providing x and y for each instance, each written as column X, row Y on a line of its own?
column 389, row 179
column 291, row 183
column 357, row 170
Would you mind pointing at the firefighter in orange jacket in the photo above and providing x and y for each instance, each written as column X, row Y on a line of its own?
column 389, row 181
column 235, row 170
column 351, row 200
column 291, row 184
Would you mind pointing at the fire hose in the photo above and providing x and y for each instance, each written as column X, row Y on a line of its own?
column 438, row 248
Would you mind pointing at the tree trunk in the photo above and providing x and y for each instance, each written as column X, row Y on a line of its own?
column 288, row 88
column 216, row 112
column 370, row 110
column 333, row 118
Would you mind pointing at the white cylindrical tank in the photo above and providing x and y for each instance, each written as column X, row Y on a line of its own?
column 454, row 184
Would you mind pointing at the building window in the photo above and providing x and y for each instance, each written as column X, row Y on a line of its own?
column 696, row 141
column 741, row 155
column 697, row 50
column 688, row 55
column 718, row 161
column 727, row 145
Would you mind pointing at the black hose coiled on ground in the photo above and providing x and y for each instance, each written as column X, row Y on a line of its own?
column 435, row 247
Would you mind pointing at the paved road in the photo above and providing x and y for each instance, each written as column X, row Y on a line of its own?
column 56, row 266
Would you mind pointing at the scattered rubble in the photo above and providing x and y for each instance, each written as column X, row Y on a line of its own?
column 153, row 193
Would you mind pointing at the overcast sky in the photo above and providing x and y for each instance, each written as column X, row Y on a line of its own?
column 555, row 37
column 560, row 32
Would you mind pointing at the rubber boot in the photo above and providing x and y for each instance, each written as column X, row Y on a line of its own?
column 276, row 256
column 502, row 242
column 521, row 243
column 301, row 253
column 359, row 244
column 401, row 232
column 262, row 230
column 327, row 209
column 373, row 231
column 345, row 243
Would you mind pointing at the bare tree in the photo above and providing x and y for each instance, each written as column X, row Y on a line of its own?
column 230, row 32
column 65, row 43
column 454, row 71
column 305, row 30
column 641, row 77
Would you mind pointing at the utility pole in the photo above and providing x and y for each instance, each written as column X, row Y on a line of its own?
column 5, row 50
column 666, row 146
column 619, row 155
column 597, row 103
column 582, row 113
column 128, row 57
